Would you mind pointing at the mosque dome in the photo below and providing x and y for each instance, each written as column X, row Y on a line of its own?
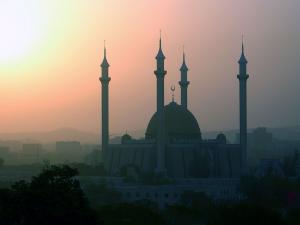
column 179, row 123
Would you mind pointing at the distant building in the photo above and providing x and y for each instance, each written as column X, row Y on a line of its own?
column 283, row 148
column 33, row 149
column 298, row 168
column 263, row 145
column 4, row 151
column 30, row 153
column 68, row 147
column 14, row 145
column 269, row 167
column 260, row 137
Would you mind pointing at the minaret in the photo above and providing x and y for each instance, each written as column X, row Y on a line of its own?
column 184, row 83
column 160, row 75
column 243, row 76
column 105, row 127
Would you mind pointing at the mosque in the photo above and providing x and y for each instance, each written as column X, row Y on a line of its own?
column 173, row 146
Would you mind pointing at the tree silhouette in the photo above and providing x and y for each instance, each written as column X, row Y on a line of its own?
column 129, row 214
column 52, row 198
column 245, row 213
column 1, row 162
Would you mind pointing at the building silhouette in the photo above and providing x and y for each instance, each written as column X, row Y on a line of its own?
column 173, row 145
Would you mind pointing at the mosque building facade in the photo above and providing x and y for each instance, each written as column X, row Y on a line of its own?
column 173, row 145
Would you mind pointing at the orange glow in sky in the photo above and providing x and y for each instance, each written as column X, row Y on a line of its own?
column 50, row 52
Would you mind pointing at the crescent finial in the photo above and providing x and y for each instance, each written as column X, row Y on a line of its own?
column 172, row 89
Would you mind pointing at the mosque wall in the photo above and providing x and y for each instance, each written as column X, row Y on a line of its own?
column 140, row 155
column 182, row 160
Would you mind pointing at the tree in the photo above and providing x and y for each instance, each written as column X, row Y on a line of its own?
column 1, row 162
column 100, row 194
column 200, row 207
column 290, row 164
column 182, row 215
column 293, row 216
column 269, row 191
column 129, row 214
column 52, row 198
column 245, row 213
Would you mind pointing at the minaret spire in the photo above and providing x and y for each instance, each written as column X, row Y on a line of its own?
column 183, row 55
column 184, row 83
column 183, row 65
column 160, row 55
column 243, row 76
column 159, row 39
column 105, row 79
column 104, row 50
column 104, row 63
column 242, row 44
column 243, row 59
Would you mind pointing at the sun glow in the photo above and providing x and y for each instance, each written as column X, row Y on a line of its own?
column 19, row 24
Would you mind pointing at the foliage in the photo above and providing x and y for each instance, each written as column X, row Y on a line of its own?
column 193, row 208
column 245, row 213
column 290, row 164
column 52, row 198
column 269, row 191
column 293, row 216
column 88, row 170
column 129, row 214
column 197, row 208
column 181, row 215
column 102, row 195
column 1, row 162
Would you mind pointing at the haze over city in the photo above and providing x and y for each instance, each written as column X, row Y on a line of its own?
column 149, row 112
column 50, row 52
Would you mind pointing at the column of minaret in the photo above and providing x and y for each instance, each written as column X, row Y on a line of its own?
column 242, row 77
column 184, row 83
column 105, row 107
column 160, row 76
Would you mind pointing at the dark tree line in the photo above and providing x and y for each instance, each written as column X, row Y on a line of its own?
column 54, row 197
column 291, row 163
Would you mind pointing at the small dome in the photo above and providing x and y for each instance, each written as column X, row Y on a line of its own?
column 179, row 123
column 125, row 138
column 221, row 138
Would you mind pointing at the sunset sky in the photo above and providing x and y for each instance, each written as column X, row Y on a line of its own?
column 50, row 52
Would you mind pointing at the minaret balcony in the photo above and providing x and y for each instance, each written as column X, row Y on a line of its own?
column 104, row 79
column 160, row 73
column 242, row 76
column 184, row 83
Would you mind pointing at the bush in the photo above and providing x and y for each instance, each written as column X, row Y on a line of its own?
column 52, row 198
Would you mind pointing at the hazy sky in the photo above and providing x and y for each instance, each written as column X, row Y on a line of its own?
column 50, row 52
